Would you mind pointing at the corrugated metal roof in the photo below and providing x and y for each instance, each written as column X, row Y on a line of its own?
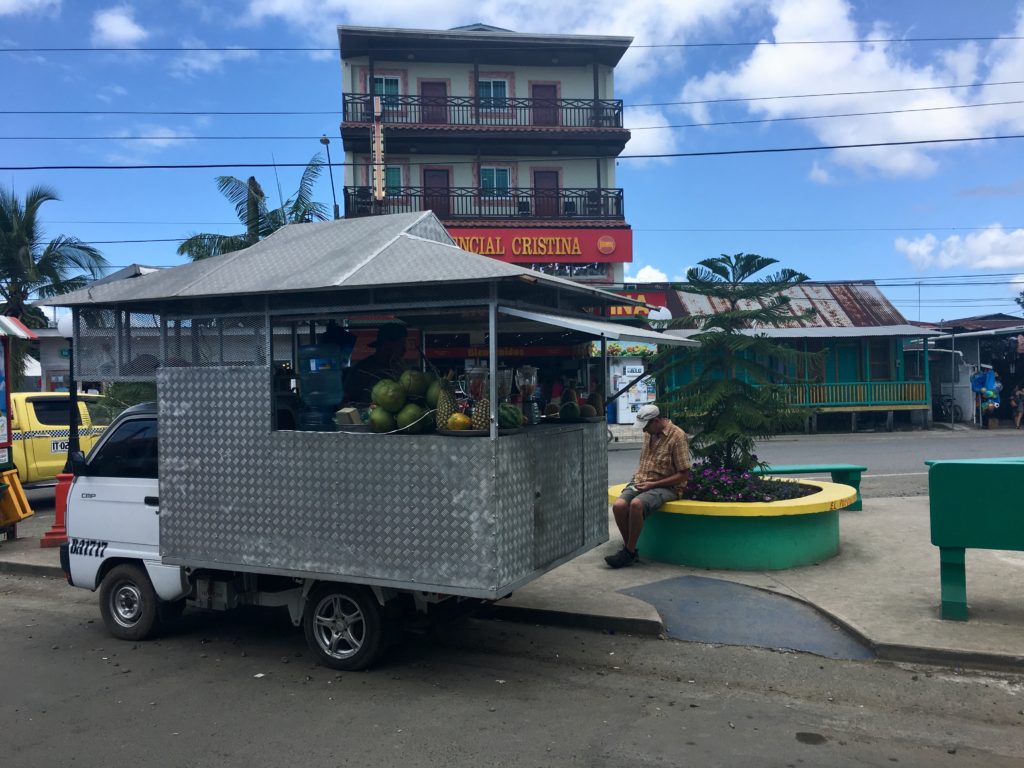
column 838, row 305
column 12, row 326
column 825, row 332
column 400, row 249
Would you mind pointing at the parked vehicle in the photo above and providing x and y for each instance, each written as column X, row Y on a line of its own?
column 40, row 430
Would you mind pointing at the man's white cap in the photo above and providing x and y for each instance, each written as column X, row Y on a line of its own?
column 646, row 413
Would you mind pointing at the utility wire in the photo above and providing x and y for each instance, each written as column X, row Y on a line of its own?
column 711, row 153
column 517, row 47
column 632, row 128
column 295, row 113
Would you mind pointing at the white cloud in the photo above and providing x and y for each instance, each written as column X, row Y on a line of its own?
column 650, row 21
column 648, row 142
column 772, row 70
column 157, row 138
column 991, row 248
column 195, row 63
column 116, row 27
column 108, row 93
column 26, row 7
column 647, row 274
column 819, row 174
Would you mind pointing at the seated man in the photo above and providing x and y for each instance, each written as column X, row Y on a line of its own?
column 662, row 476
column 384, row 363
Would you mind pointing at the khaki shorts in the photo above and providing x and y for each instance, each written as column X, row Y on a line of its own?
column 651, row 500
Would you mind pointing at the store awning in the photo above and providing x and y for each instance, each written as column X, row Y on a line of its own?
column 600, row 328
column 12, row 326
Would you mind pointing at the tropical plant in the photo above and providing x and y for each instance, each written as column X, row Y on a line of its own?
column 251, row 207
column 32, row 267
column 736, row 393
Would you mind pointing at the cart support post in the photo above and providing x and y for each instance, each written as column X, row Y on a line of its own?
column 492, row 352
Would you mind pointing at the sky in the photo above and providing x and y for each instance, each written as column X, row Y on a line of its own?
column 940, row 226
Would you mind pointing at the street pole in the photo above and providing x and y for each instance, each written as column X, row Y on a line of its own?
column 327, row 143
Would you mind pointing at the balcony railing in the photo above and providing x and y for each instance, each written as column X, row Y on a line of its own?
column 858, row 393
column 471, row 111
column 450, row 203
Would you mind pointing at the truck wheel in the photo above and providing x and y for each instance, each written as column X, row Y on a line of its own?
column 343, row 626
column 128, row 603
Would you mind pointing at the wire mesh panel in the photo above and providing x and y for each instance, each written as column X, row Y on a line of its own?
column 118, row 345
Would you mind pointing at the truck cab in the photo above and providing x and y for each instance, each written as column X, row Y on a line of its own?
column 40, row 432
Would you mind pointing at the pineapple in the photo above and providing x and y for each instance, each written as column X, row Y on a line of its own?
column 482, row 414
column 570, row 395
column 445, row 402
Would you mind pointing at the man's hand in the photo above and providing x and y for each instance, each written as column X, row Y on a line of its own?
column 644, row 486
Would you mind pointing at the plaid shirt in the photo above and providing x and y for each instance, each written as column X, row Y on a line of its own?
column 669, row 456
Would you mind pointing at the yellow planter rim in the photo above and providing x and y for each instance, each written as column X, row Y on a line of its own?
column 831, row 497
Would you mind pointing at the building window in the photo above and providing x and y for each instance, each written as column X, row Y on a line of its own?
column 495, row 182
column 493, row 94
column 392, row 179
column 387, row 88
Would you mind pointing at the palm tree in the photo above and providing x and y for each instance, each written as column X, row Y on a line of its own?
column 32, row 268
column 251, row 207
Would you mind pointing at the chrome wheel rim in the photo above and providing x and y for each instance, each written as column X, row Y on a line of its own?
column 339, row 626
column 126, row 604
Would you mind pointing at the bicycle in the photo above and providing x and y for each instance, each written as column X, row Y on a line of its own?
column 944, row 408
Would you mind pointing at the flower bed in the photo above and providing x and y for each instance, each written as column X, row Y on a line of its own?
column 709, row 483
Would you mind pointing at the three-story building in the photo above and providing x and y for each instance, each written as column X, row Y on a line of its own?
column 511, row 139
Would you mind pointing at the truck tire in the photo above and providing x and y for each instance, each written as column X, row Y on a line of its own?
column 128, row 603
column 344, row 626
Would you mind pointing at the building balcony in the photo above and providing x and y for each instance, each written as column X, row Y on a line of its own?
column 487, row 114
column 476, row 204
column 859, row 395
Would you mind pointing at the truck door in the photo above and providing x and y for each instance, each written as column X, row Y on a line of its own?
column 113, row 510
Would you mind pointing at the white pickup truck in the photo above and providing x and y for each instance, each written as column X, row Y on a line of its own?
column 113, row 545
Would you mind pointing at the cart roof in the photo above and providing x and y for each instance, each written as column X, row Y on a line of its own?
column 384, row 251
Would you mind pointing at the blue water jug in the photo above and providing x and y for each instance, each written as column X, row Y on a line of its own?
column 320, row 385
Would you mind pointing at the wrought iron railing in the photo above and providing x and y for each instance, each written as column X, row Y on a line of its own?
column 858, row 393
column 498, row 111
column 478, row 203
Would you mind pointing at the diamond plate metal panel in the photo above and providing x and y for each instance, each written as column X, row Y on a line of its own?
column 595, row 483
column 458, row 515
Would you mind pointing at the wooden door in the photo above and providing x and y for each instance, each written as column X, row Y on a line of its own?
column 434, row 97
column 545, row 192
column 437, row 192
column 545, row 104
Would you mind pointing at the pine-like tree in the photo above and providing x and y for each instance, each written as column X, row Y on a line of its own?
column 737, row 393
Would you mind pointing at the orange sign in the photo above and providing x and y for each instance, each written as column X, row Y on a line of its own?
column 657, row 298
column 534, row 245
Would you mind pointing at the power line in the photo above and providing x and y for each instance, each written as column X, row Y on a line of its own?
column 710, row 153
column 517, row 47
column 298, row 113
column 634, row 128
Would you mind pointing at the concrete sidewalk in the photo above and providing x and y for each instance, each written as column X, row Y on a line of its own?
column 883, row 587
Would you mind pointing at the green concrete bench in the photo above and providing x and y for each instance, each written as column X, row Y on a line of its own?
column 745, row 536
column 847, row 474
column 974, row 504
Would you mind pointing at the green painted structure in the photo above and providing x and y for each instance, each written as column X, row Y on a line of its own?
column 847, row 474
column 741, row 543
column 973, row 504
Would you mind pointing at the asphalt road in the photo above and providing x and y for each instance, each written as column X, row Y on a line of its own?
column 241, row 691
column 895, row 460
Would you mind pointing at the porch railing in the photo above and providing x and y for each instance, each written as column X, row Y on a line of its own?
column 497, row 111
column 858, row 393
column 478, row 203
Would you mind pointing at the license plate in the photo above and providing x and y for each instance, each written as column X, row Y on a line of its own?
column 58, row 446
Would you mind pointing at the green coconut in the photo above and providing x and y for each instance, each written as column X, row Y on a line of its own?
column 382, row 421
column 388, row 394
column 569, row 411
column 411, row 418
column 415, row 382
column 433, row 393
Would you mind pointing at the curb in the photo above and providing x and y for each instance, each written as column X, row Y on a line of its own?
column 31, row 569
column 521, row 615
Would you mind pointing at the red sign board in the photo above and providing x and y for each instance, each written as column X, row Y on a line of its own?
column 657, row 298
column 522, row 245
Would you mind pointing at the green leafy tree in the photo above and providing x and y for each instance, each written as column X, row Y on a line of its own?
column 32, row 267
column 736, row 395
column 260, row 221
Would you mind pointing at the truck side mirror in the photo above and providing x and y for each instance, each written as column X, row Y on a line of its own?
column 79, row 468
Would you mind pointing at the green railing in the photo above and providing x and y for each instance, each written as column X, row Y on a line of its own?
column 858, row 393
